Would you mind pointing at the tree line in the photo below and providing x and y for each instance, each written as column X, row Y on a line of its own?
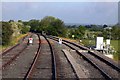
column 56, row 27
column 12, row 29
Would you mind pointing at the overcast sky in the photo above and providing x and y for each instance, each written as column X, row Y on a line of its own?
column 60, row 0
column 69, row 12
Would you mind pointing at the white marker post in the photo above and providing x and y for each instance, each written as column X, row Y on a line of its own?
column 30, row 40
column 60, row 41
column 108, row 41
column 108, row 45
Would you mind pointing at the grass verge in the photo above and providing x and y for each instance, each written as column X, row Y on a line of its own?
column 14, row 41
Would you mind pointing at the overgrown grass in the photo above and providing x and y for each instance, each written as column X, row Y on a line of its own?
column 116, row 54
column 14, row 41
column 114, row 43
column 88, row 42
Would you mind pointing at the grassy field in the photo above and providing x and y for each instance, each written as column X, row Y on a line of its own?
column 114, row 43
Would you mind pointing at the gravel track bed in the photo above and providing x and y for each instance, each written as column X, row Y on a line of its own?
column 64, row 69
column 108, row 59
column 7, row 56
column 113, row 73
column 20, row 65
column 102, row 65
column 89, row 70
column 104, row 57
column 13, row 52
column 43, row 66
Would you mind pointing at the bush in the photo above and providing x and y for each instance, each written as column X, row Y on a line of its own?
column 25, row 29
column 6, row 33
column 52, row 26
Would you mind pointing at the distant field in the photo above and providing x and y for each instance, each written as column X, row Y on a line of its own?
column 114, row 43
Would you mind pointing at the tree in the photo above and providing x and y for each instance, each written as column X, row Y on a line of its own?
column 34, row 24
column 11, row 21
column 104, row 26
column 20, row 21
column 25, row 29
column 6, row 33
column 115, row 32
column 106, row 33
column 52, row 26
column 16, row 27
column 81, row 30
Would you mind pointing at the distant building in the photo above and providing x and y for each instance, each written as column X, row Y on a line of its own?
column 108, row 28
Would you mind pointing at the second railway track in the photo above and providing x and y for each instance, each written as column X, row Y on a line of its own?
column 107, row 69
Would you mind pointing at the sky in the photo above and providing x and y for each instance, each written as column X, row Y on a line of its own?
column 60, row 0
column 119, row 12
column 70, row 12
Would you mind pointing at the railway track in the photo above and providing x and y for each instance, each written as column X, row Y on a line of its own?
column 11, row 54
column 35, row 64
column 40, row 64
column 6, row 51
column 107, row 69
column 34, row 61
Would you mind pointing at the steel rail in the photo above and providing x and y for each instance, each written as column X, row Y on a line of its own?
column 6, row 51
column 103, row 72
column 54, row 71
column 117, row 68
column 14, row 57
column 29, row 72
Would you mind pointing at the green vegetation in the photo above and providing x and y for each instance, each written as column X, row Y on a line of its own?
column 115, row 32
column 78, row 32
column 11, row 32
column 52, row 26
column 116, row 54
column 34, row 24
column 6, row 33
column 25, row 29
column 87, row 42
column 114, row 43
column 56, row 27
